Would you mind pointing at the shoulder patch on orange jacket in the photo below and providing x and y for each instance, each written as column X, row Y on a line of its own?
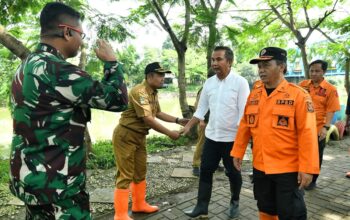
column 299, row 87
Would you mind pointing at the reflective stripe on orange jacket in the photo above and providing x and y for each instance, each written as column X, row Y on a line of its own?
column 325, row 99
column 283, row 127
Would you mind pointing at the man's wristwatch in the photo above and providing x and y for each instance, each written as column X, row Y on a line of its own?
column 326, row 127
column 177, row 120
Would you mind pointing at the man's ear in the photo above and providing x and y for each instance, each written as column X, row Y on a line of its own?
column 67, row 33
column 231, row 63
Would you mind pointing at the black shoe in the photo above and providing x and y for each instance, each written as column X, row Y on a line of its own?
column 311, row 186
column 220, row 168
column 250, row 175
column 234, row 211
column 200, row 211
column 195, row 171
column 197, row 213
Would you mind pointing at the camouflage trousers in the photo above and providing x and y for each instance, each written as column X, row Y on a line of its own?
column 74, row 208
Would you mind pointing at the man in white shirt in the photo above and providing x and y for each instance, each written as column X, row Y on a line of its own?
column 225, row 95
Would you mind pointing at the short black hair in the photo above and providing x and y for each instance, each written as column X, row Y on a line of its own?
column 324, row 64
column 228, row 52
column 55, row 13
column 280, row 62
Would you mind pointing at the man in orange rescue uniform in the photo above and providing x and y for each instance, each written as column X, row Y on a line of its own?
column 326, row 101
column 280, row 118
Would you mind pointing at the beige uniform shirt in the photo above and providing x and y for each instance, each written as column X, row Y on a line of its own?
column 143, row 101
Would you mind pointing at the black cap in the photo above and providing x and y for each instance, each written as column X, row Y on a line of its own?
column 270, row 53
column 155, row 68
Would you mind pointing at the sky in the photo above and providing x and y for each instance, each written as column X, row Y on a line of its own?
column 153, row 36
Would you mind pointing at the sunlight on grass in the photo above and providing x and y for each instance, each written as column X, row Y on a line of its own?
column 102, row 122
column 6, row 128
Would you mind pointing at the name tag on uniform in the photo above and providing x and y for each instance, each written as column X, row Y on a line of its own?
column 284, row 102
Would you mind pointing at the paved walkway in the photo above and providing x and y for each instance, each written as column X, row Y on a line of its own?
column 329, row 201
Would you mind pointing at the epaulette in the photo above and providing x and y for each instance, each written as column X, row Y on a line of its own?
column 297, row 86
column 305, row 81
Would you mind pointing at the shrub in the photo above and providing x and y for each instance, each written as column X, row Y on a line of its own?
column 103, row 157
column 161, row 143
column 4, row 171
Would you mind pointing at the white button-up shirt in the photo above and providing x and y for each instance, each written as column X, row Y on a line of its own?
column 226, row 101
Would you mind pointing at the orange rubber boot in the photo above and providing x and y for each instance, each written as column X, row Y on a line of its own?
column 265, row 216
column 139, row 203
column 121, row 201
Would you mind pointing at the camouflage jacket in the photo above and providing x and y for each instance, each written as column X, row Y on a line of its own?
column 51, row 101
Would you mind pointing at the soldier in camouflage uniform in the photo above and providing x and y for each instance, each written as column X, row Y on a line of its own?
column 51, row 101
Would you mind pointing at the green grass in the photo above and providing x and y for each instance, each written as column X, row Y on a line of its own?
column 103, row 156
column 4, row 171
column 102, row 123
column 189, row 88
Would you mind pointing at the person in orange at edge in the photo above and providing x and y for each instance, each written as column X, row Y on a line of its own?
column 280, row 118
column 326, row 101
column 129, row 141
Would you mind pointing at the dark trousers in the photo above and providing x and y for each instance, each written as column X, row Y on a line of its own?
column 321, row 147
column 278, row 194
column 213, row 152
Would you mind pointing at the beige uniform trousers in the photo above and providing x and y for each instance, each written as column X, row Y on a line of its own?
column 130, row 156
column 199, row 147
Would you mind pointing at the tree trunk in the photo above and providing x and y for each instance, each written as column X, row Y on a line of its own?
column 347, row 70
column 186, row 113
column 87, row 137
column 212, row 31
column 211, row 43
column 87, row 142
column 304, row 58
column 12, row 44
column 82, row 61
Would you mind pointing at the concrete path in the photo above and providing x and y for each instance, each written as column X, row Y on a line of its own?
column 329, row 201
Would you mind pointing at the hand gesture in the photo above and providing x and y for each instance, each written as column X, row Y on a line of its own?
column 183, row 121
column 202, row 124
column 323, row 133
column 237, row 162
column 304, row 179
column 186, row 130
column 174, row 135
column 104, row 51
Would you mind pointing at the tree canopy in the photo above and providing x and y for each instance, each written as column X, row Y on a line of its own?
column 194, row 28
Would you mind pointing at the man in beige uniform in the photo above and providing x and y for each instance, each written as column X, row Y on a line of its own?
column 129, row 141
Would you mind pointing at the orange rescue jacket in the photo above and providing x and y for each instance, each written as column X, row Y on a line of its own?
column 283, row 128
column 325, row 99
